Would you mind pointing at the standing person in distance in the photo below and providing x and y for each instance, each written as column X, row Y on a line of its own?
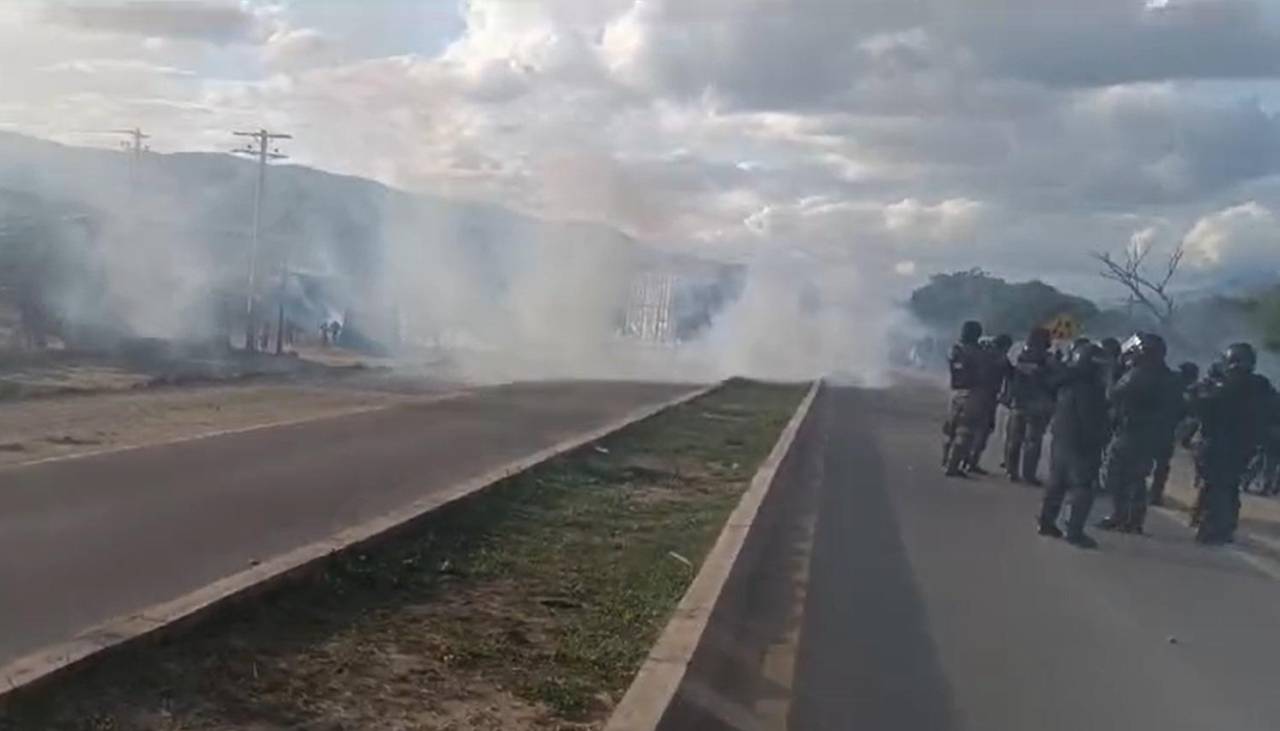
column 1079, row 434
column 966, row 364
column 998, row 370
column 1234, row 413
column 1030, row 406
column 1141, row 403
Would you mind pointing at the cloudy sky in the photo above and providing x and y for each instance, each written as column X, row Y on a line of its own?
column 897, row 136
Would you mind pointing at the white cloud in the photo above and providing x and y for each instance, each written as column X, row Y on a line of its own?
column 1237, row 240
column 1014, row 136
column 948, row 221
column 294, row 49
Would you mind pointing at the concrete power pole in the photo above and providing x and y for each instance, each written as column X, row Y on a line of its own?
column 261, row 140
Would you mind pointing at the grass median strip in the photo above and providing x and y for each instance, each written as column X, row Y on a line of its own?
column 527, row 606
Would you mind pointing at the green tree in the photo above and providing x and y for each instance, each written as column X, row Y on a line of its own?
column 1014, row 308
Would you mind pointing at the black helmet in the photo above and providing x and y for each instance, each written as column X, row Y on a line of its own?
column 1190, row 372
column 1039, row 338
column 1217, row 370
column 1003, row 342
column 1086, row 355
column 1239, row 358
column 970, row 331
column 1144, row 347
column 1111, row 347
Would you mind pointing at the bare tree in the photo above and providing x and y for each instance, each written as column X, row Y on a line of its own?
column 1149, row 290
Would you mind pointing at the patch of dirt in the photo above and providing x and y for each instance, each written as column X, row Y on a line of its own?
column 66, row 426
column 70, row 441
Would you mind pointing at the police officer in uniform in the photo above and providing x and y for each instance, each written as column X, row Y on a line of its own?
column 966, row 363
column 1195, row 439
column 1188, row 374
column 1079, row 434
column 998, row 370
column 1111, row 356
column 1030, row 407
column 1142, row 402
column 1234, row 413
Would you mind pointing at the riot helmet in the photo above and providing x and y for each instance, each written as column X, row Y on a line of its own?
column 1039, row 338
column 1111, row 348
column 1086, row 356
column 1239, row 358
column 1189, row 372
column 1143, row 347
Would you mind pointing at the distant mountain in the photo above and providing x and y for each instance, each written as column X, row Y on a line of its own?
column 184, row 219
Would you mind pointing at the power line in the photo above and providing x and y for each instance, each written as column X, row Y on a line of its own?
column 259, row 147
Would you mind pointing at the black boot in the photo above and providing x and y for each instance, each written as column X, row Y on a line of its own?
column 1111, row 522
column 1081, row 540
column 1048, row 529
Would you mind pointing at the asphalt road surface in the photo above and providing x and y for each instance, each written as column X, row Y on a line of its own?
column 86, row 540
column 880, row 595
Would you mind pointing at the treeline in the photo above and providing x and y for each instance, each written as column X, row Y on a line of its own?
column 950, row 299
column 1200, row 327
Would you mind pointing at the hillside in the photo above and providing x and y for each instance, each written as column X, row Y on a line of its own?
column 166, row 235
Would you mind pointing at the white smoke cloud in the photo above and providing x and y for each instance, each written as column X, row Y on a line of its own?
column 1237, row 240
column 844, row 148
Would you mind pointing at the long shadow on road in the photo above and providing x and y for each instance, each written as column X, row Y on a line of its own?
column 820, row 626
column 869, row 606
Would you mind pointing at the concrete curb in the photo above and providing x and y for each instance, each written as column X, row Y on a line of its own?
column 169, row 618
column 655, row 685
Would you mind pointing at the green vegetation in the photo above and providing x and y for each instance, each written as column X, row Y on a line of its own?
column 1014, row 308
column 1200, row 325
column 530, row 605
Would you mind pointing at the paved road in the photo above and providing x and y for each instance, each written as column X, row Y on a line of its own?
column 85, row 540
column 883, row 596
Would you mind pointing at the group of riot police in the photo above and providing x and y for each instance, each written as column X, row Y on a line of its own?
column 1115, row 411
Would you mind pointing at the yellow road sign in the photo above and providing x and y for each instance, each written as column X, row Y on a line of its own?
column 1064, row 327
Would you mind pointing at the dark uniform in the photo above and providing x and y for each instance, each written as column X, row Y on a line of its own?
column 1142, row 402
column 1188, row 373
column 1079, row 434
column 1030, row 398
column 1234, row 414
column 996, row 373
column 1111, row 372
column 1194, row 440
column 968, row 412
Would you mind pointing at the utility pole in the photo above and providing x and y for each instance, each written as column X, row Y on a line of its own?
column 135, row 148
column 261, row 140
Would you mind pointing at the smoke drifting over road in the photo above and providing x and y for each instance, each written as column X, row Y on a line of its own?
column 465, row 290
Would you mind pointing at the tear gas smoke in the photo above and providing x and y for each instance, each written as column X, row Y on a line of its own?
column 476, row 292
